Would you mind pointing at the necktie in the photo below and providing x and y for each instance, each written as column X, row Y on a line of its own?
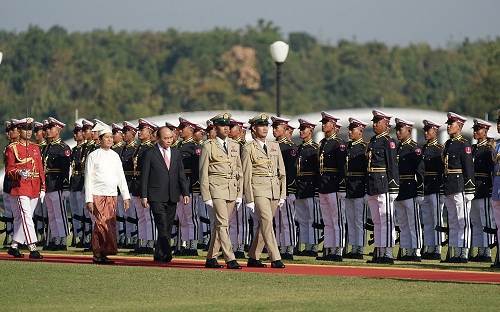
column 265, row 148
column 225, row 146
column 165, row 157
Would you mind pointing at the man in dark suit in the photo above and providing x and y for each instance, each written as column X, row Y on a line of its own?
column 162, row 182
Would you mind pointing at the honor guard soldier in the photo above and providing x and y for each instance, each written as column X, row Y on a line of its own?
column 211, row 134
column 127, row 157
column 306, row 203
column 431, row 208
column 145, row 221
column 382, row 186
column 286, row 234
column 76, row 185
column 24, row 166
column 12, row 135
column 495, row 194
column 56, row 162
column 118, row 146
column 264, row 187
column 459, row 187
column 40, row 213
column 175, row 131
column 221, row 181
column 239, row 227
column 411, row 191
column 89, row 146
column 332, row 158
column 198, row 134
column 188, row 214
column 355, row 208
column 481, row 214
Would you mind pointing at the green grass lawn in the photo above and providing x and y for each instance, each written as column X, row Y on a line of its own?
column 31, row 286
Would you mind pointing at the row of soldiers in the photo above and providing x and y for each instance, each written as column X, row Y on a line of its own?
column 330, row 187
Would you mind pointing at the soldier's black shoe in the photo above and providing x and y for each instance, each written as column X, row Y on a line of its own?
column 50, row 247
column 61, row 247
column 15, row 253
column 213, row 264
column 332, row 257
column 35, row 254
column 411, row 258
column 353, row 255
column 431, row 256
column 455, row 260
column 495, row 265
column 239, row 255
column 233, row 264
column 277, row 264
column 480, row 259
column 253, row 263
column 286, row 256
column 385, row 260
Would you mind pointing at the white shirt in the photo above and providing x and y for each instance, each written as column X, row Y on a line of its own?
column 221, row 141
column 104, row 174
column 162, row 151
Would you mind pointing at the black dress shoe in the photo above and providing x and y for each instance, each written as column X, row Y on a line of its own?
column 35, row 254
column 102, row 260
column 277, row 264
column 15, row 253
column 495, row 265
column 286, row 256
column 213, row 264
column 162, row 259
column 239, row 255
column 233, row 265
column 253, row 263
column 332, row 257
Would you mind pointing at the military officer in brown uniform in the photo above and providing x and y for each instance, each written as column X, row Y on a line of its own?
column 221, row 184
column 265, row 189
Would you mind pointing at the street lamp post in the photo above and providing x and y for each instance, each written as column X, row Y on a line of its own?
column 279, row 52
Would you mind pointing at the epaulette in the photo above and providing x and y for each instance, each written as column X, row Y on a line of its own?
column 119, row 144
column 412, row 143
column 12, row 144
column 311, row 143
column 147, row 143
column 131, row 144
column 59, row 142
column 190, row 140
column 232, row 141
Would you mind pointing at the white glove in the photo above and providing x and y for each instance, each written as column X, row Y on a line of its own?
column 365, row 199
column 251, row 206
column 341, row 195
column 280, row 203
column 209, row 203
column 42, row 196
column 65, row 195
column 392, row 197
column 419, row 199
column 290, row 199
column 24, row 173
column 238, row 203
column 469, row 198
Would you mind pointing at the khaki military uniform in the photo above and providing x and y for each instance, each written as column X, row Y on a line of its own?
column 221, row 180
column 264, row 184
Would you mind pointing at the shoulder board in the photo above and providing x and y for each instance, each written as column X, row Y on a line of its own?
column 412, row 143
column 149, row 144
column 462, row 139
column 61, row 143
column 207, row 141
column 12, row 144
column 248, row 143
column 232, row 141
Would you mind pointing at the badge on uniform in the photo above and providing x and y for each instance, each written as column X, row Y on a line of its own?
column 233, row 150
column 67, row 153
column 342, row 147
column 273, row 149
column 418, row 151
column 392, row 145
column 293, row 152
column 198, row 151
column 468, row 150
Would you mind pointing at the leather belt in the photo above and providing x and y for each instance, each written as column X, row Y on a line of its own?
column 305, row 174
column 33, row 174
column 76, row 172
column 453, row 171
column 431, row 173
column 482, row 175
column 377, row 169
column 263, row 174
column 52, row 170
column 222, row 175
column 407, row 177
column 128, row 173
column 355, row 174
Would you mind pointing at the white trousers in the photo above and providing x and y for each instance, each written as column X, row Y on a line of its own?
column 56, row 211
column 408, row 217
column 145, row 223
column 481, row 215
column 431, row 211
column 334, row 220
column 284, row 219
column 188, row 218
column 239, row 228
column 458, row 220
column 308, row 213
column 356, row 217
column 23, row 208
column 382, row 211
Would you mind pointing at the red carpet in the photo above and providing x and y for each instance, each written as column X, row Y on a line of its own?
column 326, row 270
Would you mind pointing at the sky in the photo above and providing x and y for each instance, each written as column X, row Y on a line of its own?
column 393, row 22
